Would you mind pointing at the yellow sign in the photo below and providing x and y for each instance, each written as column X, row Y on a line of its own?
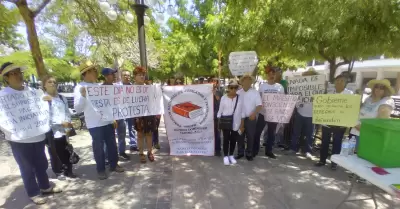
column 336, row 109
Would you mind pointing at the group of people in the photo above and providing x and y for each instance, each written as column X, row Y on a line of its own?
column 239, row 115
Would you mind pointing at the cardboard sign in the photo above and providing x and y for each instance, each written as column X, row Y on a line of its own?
column 115, row 102
column 278, row 108
column 241, row 63
column 189, row 119
column 24, row 113
column 306, row 87
column 336, row 109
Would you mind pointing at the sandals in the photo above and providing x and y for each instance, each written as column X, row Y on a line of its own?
column 150, row 156
column 142, row 158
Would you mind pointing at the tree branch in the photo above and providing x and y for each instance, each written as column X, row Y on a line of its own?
column 41, row 7
column 323, row 55
column 344, row 62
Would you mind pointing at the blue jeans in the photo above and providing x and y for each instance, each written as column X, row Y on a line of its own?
column 305, row 125
column 121, row 133
column 132, row 135
column 337, row 133
column 101, row 135
column 33, row 164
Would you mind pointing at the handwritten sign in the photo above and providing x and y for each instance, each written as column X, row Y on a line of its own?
column 24, row 113
column 189, row 119
column 278, row 108
column 336, row 109
column 241, row 63
column 115, row 102
column 306, row 87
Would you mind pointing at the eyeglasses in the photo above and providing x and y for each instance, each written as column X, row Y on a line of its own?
column 381, row 87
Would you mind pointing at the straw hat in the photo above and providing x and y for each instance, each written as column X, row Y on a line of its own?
column 85, row 66
column 247, row 76
column 384, row 82
column 233, row 82
column 9, row 66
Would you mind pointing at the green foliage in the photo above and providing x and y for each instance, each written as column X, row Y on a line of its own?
column 9, row 19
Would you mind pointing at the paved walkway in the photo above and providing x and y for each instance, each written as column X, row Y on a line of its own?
column 189, row 182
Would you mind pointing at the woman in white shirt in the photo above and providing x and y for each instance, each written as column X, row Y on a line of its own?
column 61, row 123
column 378, row 105
column 231, row 105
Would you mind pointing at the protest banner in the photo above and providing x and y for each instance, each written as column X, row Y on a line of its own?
column 278, row 108
column 241, row 63
column 115, row 102
column 306, row 87
column 336, row 109
column 189, row 119
column 24, row 113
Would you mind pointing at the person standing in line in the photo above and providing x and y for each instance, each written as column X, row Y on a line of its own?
column 101, row 131
column 336, row 132
column 216, row 97
column 126, row 80
column 270, row 87
column 155, row 135
column 231, row 105
column 109, row 79
column 144, row 125
column 252, row 105
column 29, row 152
column 60, row 162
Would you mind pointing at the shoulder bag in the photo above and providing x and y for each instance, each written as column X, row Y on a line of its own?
column 226, row 122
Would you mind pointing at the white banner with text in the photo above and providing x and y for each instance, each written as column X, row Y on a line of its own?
column 305, row 87
column 24, row 113
column 189, row 119
column 278, row 108
column 115, row 102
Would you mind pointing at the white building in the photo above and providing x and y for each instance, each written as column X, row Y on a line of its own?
column 363, row 71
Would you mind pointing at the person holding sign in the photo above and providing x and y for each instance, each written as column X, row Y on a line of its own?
column 336, row 132
column 251, row 107
column 144, row 125
column 28, row 152
column 61, row 123
column 270, row 87
column 101, row 131
column 231, row 121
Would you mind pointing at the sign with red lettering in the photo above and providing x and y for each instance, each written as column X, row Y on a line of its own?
column 115, row 102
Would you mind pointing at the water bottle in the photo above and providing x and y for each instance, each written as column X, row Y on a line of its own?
column 352, row 145
column 345, row 147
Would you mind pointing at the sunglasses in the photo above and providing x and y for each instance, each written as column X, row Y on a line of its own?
column 13, row 73
column 233, row 87
column 381, row 87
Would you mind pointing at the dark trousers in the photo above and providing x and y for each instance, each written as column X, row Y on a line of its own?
column 270, row 141
column 60, row 159
column 302, row 125
column 229, row 144
column 257, row 135
column 249, row 131
column 327, row 132
column 155, row 133
column 33, row 164
column 101, row 135
column 217, row 136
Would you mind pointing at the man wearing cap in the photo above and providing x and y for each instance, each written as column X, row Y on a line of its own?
column 28, row 152
column 109, row 78
column 251, row 107
column 101, row 131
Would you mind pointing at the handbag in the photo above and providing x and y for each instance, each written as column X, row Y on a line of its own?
column 71, row 132
column 226, row 122
column 74, row 158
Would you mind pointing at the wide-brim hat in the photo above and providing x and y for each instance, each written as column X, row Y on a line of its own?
column 384, row 82
column 8, row 67
column 87, row 65
column 233, row 82
column 247, row 76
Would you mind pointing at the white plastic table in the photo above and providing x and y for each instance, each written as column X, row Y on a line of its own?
column 362, row 168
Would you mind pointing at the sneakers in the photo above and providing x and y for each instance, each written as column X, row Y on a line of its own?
column 270, row 155
column 52, row 190
column 309, row 156
column 124, row 156
column 102, row 175
column 39, row 200
column 226, row 160
column 232, row 160
column 117, row 169
column 334, row 166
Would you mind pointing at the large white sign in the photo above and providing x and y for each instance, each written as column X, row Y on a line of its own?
column 24, row 113
column 278, row 108
column 115, row 102
column 241, row 63
column 306, row 87
column 189, row 119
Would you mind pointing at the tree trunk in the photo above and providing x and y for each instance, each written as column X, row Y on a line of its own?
column 33, row 41
column 332, row 70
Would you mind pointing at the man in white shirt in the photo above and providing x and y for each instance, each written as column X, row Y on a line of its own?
column 270, row 87
column 28, row 152
column 336, row 132
column 101, row 131
column 252, row 105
